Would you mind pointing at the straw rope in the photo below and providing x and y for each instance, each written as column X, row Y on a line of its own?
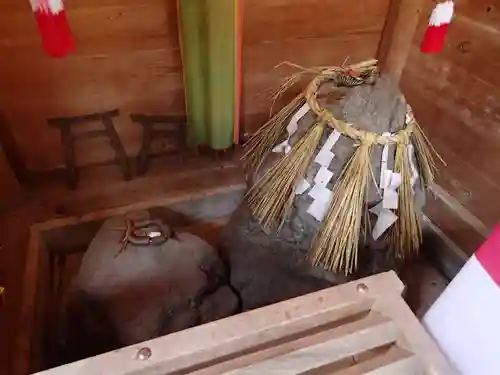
column 271, row 198
column 347, row 129
column 268, row 134
column 405, row 236
column 336, row 244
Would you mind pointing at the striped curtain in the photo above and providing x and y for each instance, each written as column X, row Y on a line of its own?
column 210, row 38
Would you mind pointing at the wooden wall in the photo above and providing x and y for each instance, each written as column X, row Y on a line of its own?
column 305, row 32
column 456, row 97
column 128, row 58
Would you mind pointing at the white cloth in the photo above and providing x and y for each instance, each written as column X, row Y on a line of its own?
column 465, row 320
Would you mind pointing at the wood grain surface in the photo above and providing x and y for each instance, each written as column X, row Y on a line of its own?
column 307, row 32
column 128, row 57
column 456, row 98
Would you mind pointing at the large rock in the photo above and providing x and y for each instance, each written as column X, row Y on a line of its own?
column 118, row 299
column 269, row 267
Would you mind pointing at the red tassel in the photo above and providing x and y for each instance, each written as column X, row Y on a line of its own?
column 435, row 35
column 54, row 29
column 434, row 39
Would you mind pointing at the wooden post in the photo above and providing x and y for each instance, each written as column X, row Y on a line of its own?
column 12, row 154
column 400, row 26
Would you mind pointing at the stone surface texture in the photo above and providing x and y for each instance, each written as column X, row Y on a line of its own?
column 269, row 267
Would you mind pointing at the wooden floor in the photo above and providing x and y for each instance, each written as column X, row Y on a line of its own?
column 102, row 188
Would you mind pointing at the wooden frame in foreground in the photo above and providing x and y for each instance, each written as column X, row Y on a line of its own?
column 35, row 287
column 363, row 327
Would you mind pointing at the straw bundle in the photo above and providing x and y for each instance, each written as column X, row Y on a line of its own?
column 292, row 79
column 267, row 136
column 271, row 198
column 424, row 152
column 405, row 236
column 336, row 245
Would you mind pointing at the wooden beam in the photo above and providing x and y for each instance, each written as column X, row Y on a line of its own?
column 12, row 154
column 397, row 36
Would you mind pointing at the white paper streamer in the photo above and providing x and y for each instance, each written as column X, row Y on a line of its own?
column 325, row 155
column 283, row 147
column 383, row 183
column 386, row 218
column 317, row 191
column 320, row 193
column 291, row 128
column 390, row 200
column 322, row 198
column 323, row 176
column 324, row 158
column 302, row 187
column 390, row 195
column 389, row 183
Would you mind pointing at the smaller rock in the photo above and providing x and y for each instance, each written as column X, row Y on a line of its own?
column 124, row 296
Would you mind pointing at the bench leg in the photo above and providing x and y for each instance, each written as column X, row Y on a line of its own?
column 116, row 144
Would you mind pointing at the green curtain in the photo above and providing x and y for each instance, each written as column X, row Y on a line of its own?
column 209, row 41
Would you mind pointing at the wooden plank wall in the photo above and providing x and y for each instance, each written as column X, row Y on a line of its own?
column 305, row 32
column 128, row 58
column 456, row 97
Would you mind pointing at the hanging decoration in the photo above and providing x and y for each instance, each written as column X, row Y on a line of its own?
column 389, row 182
column 53, row 27
column 210, row 35
column 341, row 210
column 435, row 35
column 464, row 318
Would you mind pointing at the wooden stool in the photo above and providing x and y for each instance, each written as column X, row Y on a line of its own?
column 64, row 124
column 172, row 127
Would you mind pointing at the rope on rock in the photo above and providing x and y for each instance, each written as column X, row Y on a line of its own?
column 336, row 244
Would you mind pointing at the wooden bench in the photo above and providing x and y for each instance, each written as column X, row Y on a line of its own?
column 162, row 127
column 68, row 139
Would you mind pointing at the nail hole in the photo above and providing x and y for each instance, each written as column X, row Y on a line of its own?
column 489, row 9
column 465, row 47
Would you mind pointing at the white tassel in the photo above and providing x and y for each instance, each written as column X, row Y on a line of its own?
column 442, row 14
column 435, row 35
column 47, row 6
